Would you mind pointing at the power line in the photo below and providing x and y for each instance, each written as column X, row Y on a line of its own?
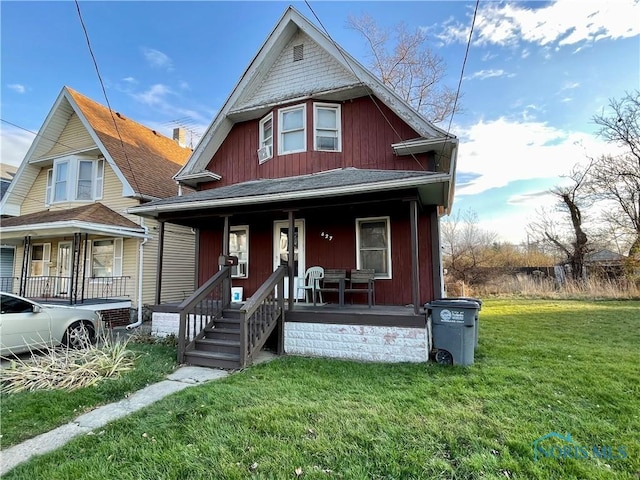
column 104, row 91
column 363, row 83
column 36, row 134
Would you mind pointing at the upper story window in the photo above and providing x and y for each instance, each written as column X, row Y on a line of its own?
column 265, row 151
column 74, row 178
column 292, row 122
column 326, row 120
column 373, row 245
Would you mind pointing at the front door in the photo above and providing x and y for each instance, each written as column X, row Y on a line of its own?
column 281, row 240
column 64, row 268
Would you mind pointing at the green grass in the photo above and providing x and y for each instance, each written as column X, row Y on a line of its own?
column 27, row 414
column 542, row 366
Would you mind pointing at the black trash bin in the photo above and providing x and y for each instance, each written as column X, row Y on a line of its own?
column 453, row 326
column 477, row 324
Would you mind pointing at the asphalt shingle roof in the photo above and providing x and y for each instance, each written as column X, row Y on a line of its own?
column 148, row 161
column 344, row 177
column 93, row 213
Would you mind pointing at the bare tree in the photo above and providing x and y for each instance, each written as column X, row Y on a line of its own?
column 410, row 68
column 616, row 179
column 467, row 248
column 571, row 242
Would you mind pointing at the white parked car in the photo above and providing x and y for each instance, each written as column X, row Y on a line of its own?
column 26, row 325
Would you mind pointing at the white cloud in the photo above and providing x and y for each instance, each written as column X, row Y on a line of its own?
column 154, row 96
column 157, row 59
column 14, row 144
column 483, row 74
column 130, row 80
column 16, row 87
column 502, row 151
column 157, row 97
column 561, row 23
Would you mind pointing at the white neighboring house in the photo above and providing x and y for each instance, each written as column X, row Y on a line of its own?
column 65, row 234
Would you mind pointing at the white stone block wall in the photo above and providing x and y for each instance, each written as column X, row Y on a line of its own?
column 164, row 323
column 357, row 342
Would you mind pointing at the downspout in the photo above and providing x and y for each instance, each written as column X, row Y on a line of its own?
column 140, row 268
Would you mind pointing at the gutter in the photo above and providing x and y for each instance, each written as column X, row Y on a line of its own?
column 140, row 269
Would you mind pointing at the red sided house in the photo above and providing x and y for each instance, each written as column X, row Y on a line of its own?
column 313, row 159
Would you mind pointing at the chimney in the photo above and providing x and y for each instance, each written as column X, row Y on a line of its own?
column 180, row 136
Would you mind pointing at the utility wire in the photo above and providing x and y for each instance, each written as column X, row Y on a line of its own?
column 104, row 91
column 36, row 133
column 363, row 83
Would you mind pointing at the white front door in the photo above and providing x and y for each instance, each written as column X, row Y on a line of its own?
column 64, row 268
column 281, row 240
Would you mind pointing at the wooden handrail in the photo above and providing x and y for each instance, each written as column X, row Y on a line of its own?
column 253, row 332
column 206, row 309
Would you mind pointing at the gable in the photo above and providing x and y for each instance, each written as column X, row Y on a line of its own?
column 314, row 70
column 74, row 138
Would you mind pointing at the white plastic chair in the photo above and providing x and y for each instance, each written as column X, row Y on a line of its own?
column 312, row 278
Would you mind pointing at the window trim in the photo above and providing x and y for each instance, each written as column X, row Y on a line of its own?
column 282, row 132
column 327, row 106
column 118, row 256
column 261, row 138
column 387, row 220
column 46, row 259
column 238, row 228
column 72, row 179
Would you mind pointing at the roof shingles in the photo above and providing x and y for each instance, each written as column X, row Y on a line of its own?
column 147, row 159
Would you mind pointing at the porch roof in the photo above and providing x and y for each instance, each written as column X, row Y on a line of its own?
column 431, row 186
column 92, row 218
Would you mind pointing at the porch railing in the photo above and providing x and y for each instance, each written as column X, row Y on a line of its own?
column 261, row 314
column 61, row 288
column 7, row 284
column 202, row 308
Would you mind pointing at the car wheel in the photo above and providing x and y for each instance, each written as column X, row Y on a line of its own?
column 79, row 335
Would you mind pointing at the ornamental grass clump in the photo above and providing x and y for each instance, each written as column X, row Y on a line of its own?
column 65, row 368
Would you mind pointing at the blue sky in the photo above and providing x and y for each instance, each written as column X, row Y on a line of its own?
column 536, row 74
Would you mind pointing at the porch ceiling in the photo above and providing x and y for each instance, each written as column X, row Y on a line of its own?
column 431, row 187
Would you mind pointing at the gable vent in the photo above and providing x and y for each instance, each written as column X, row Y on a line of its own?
column 298, row 53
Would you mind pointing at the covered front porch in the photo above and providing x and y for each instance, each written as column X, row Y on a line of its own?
column 62, row 258
column 263, row 236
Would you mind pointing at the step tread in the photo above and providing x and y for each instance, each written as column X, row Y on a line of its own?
column 221, row 342
column 214, row 355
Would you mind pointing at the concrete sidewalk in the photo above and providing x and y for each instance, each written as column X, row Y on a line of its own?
column 182, row 378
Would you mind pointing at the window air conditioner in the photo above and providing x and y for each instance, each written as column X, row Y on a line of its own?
column 264, row 153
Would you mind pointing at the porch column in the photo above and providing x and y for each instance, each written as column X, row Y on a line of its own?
column 75, row 268
column 226, row 289
column 415, row 274
column 25, row 265
column 292, row 261
column 159, row 267
column 84, row 270
column 436, row 254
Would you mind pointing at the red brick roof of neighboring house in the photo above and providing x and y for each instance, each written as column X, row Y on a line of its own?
column 148, row 161
column 93, row 213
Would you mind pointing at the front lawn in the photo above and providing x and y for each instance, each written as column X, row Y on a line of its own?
column 27, row 414
column 542, row 367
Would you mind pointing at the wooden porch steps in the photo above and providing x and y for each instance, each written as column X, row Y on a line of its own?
column 220, row 347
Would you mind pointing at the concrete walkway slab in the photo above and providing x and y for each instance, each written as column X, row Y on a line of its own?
column 182, row 378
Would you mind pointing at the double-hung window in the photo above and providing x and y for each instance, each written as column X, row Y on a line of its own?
column 40, row 258
column 266, row 139
column 373, row 245
column 326, row 120
column 291, row 123
column 74, row 178
column 239, row 247
column 106, row 257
